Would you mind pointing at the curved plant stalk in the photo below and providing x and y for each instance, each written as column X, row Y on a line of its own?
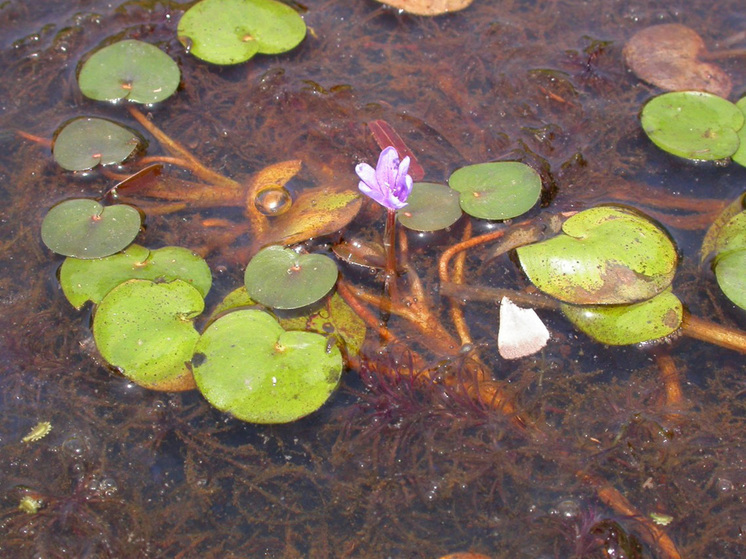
column 711, row 332
column 653, row 534
column 181, row 153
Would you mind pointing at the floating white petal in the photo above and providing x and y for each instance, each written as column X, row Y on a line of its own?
column 521, row 331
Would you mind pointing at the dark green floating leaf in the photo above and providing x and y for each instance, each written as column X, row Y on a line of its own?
column 86, row 142
column 232, row 31
column 604, row 255
column 693, row 124
column 131, row 70
column 145, row 330
column 649, row 320
column 501, row 190
column 430, row 207
column 247, row 365
column 283, row 279
column 91, row 280
column 84, row 228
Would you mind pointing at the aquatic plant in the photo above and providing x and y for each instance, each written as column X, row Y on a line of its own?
column 389, row 184
column 233, row 31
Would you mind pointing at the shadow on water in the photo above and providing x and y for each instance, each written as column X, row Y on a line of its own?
column 386, row 468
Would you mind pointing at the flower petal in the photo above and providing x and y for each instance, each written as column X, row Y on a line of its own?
column 367, row 174
column 387, row 168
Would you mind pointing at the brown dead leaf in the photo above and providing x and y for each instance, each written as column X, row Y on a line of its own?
column 428, row 7
column 316, row 212
column 668, row 56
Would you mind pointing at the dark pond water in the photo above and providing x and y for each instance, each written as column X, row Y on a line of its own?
column 589, row 444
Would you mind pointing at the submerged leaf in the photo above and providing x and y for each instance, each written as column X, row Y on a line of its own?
column 315, row 213
column 428, row 7
column 668, row 56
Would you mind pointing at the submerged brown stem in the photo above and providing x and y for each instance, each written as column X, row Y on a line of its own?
column 650, row 532
column 723, row 336
column 175, row 148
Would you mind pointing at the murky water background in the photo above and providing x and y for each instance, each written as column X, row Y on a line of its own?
column 384, row 470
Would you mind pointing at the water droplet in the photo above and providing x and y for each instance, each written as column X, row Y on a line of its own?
column 273, row 200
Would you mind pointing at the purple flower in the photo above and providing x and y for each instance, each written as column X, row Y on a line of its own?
column 388, row 184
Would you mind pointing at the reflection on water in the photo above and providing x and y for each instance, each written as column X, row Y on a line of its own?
column 401, row 463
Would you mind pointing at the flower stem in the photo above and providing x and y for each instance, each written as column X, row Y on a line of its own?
column 389, row 245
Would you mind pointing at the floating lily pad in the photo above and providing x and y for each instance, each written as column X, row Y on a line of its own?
column 132, row 70
column 232, row 31
column 730, row 271
column 693, row 124
column 604, row 255
column 247, row 365
column 86, row 142
column 283, row 279
column 430, row 207
column 84, row 228
column 649, row 320
column 91, row 280
column 740, row 155
column 145, row 330
column 668, row 56
column 501, row 190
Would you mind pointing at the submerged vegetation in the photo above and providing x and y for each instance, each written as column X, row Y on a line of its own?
column 427, row 442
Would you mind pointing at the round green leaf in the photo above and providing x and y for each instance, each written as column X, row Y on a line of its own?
column 232, row 31
column 247, row 365
column 730, row 271
column 83, row 228
column 283, row 279
column 145, row 330
column 131, row 70
column 628, row 324
column 86, row 142
column 91, row 280
column 693, row 124
column 430, row 207
column 604, row 255
column 501, row 190
column 740, row 155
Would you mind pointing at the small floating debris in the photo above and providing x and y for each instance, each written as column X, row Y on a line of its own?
column 39, row 431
